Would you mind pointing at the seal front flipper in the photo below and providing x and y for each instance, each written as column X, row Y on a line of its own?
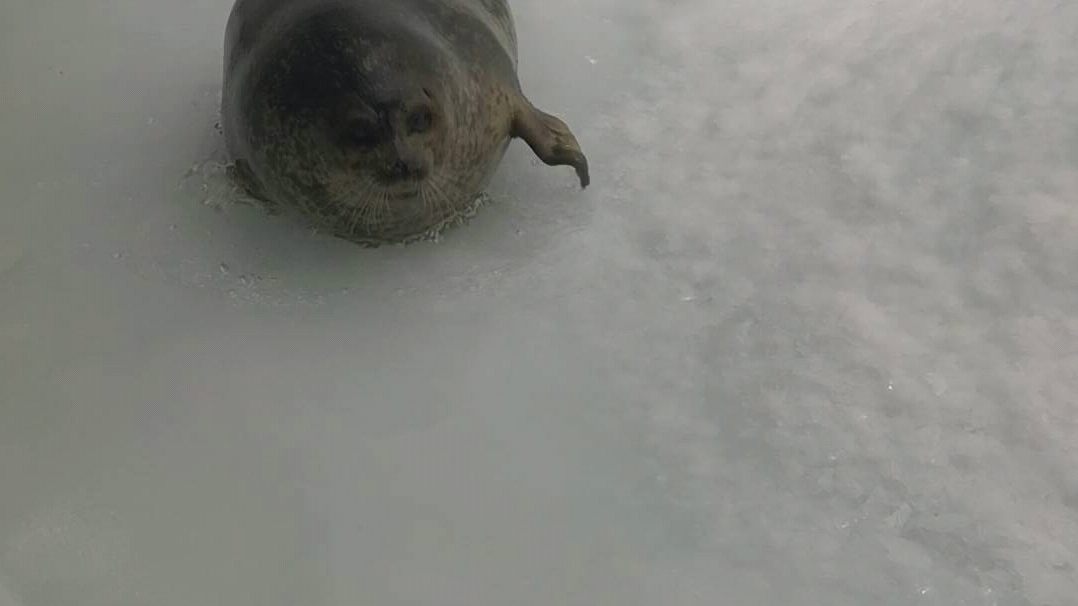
column 550, row 139
column 241, row 174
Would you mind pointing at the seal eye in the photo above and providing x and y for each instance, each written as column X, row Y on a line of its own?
column 360, row 138
column 359, row 133
column 420, row 120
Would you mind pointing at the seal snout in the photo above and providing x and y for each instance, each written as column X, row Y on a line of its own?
column 411, row 169
column 406, row 162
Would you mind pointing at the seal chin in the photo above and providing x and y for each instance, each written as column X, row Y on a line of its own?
column 404, row 188
column 404, row 179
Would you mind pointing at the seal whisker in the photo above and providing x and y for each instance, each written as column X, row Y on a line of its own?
column 448, row 198
column 431, row 186
column 379, row 211
column 362, row 214
column 353, row 216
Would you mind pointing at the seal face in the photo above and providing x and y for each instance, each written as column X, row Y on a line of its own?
column 380, row 120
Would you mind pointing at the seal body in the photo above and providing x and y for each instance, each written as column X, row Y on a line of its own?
column 380, row 120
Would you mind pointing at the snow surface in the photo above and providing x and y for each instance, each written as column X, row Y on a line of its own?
column 808, row 338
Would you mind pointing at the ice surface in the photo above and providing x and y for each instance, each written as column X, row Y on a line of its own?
column 808, row 338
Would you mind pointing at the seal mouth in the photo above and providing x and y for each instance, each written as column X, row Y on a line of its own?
column 403, row 179
column 407, row 188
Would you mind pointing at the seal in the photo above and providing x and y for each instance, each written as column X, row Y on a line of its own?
column 381, row 121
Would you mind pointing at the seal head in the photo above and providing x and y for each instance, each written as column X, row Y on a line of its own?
column 380, row 121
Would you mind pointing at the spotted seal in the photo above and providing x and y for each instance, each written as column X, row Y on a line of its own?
column 379, row 120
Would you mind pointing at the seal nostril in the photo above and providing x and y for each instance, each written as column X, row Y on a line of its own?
column 420, row 121
column 406, row 169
